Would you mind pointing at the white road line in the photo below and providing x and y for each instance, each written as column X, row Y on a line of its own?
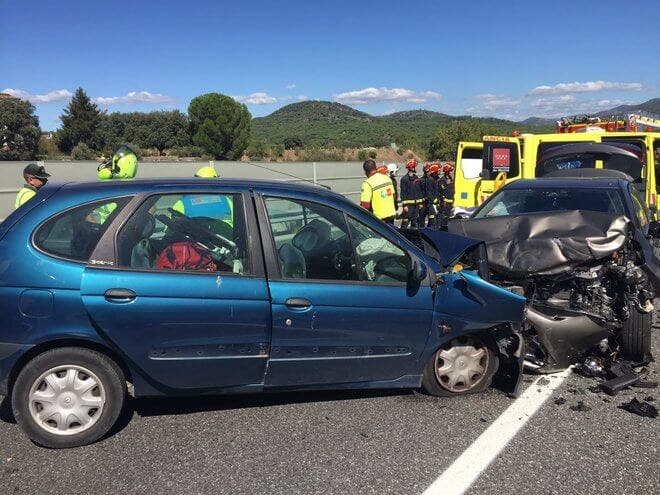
column 464, row 471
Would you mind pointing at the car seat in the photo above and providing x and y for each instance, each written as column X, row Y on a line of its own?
column 312, row 237
column 292, row 261
column 136, row 248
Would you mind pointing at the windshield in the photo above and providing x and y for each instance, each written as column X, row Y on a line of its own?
column 517, row 201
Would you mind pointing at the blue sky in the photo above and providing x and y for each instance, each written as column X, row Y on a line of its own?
column 499, row 58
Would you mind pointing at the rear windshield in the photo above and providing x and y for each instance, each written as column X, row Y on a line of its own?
column 517, row 201
column 73, row 234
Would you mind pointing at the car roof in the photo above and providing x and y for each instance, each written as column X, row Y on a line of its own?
column 572, row 182
column 133, row 186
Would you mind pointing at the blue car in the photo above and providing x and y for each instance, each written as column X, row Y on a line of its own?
column 192, row 287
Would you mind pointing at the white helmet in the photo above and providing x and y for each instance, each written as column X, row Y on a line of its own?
column 392, row 168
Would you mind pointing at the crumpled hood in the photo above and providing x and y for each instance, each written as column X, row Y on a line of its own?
column 546, row 243
column 447, row 249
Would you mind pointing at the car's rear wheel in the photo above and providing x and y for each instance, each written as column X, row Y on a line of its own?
column 465, row 365
column 68, row 397
column 635, row 336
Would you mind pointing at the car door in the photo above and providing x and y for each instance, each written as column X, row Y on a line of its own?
column 331, row 323
column 182, row 292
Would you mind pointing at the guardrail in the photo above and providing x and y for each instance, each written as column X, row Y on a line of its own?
column 342, row 177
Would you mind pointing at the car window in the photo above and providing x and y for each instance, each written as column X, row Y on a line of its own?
column 74, row 234
column 189, row 232
column 312, row 240
column 517, row 201
column 642, row 214
column 379, row 260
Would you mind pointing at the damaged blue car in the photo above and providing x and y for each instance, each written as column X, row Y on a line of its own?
column 192, row 287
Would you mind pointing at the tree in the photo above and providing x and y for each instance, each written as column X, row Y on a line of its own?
column 160, row 130
column 292, row 143
column 80, row 123
column 167, row 130
column 19, row 129
column 443, row 145
column 220, row 125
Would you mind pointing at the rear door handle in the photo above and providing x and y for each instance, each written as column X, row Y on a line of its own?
column 298, row 303
column 120, row 295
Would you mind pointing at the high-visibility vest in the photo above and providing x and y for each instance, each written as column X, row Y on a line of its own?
column 215, row 206
column 379, row 191
column 24, row 195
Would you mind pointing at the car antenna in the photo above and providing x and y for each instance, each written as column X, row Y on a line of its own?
column 288, row 175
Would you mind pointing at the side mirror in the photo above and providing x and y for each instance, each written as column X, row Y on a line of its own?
column 461, row 216
column 485, row 174
column 654, row 229
column 418, row 272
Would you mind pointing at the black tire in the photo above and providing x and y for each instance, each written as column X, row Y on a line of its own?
column 635, row 336
column 433, row 386
column 109, row 375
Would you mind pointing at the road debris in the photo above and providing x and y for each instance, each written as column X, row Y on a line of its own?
column 642, row 408
column 580, row 407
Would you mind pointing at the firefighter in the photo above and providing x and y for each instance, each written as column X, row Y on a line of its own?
column 412, row 196
column 214, row 206
column 392, row 170
column 447, row 188
column 434, row 195
column 377, row 194
column 35, row 178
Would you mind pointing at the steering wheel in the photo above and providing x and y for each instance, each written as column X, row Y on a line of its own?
column 185, row 225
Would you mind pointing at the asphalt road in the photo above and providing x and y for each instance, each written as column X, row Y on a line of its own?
column 385, row 442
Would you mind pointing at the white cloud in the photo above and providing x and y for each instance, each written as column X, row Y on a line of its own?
column 489, row 102
column 134, row 97
column 580, row 87
column 256, row 99
column 302, row 98
column 368, row 96
column 50, row 97
column 291, row 86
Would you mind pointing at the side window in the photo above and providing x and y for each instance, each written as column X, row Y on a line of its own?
column 379, row 260
column 640, row 211
column 312, row 240
column 191, row 232
column 73, row 234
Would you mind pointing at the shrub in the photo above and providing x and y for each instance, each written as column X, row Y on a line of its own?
column 82, row 152
column 362, row 155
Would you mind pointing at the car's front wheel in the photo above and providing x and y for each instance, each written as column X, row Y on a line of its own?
column 68, row 397
column 462, row 366
column 635, row 336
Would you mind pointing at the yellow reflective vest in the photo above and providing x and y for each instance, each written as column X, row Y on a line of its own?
column 24, row 195
column 379, row 191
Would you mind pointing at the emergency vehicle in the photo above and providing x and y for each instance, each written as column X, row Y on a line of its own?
column 483, row 167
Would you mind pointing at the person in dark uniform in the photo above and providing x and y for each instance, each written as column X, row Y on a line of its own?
column 434, row 196
column 448, row 190
column 412, row 196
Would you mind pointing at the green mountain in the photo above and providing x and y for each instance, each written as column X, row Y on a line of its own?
column 329, row 124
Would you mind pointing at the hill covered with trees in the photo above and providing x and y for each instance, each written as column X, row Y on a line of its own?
column 330, row 124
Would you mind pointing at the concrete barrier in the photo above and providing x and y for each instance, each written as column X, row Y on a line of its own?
column 342, row 177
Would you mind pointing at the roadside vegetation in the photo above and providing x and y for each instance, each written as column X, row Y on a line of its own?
column 217, row 126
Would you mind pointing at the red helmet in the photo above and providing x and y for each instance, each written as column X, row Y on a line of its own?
column 382, row 169
column 411, row 165
column 434, row 168
column 447, row 168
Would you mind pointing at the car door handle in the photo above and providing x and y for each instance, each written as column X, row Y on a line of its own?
column 298, row 303
column 120, row 295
